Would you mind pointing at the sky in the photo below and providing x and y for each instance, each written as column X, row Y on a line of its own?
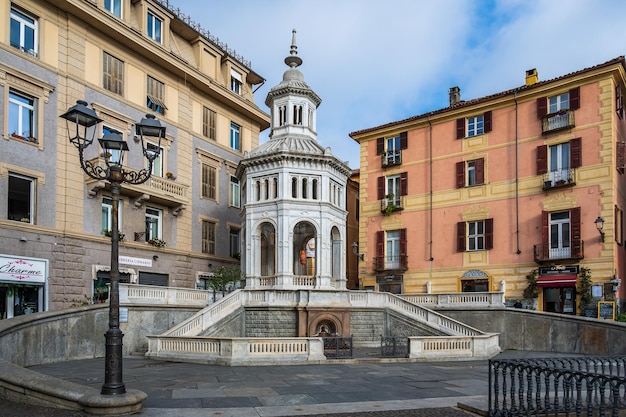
column 376, row 62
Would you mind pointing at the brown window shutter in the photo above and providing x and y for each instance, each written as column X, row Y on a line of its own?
column 574, row 98
column 542, row 107
column 380, row 243
column 488, row 233
column 545, row 235
column 460, row 128
column 575, row 227
column 620, row 157
column 542, row 159
column 460, row 174
column 403, row 242
column 576, row 152
column 380, row 146
column 479, row 170
column 616, row 224
column 381, row 187
column 619, row 102
column 404, row 142
column 460, row 237
column 487, row 121
column 404, row 183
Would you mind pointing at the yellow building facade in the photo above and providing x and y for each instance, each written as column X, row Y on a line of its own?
column 126, row 59
column 502, row 193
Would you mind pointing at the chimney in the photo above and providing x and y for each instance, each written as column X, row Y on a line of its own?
column 455, row 95
column 532, row 77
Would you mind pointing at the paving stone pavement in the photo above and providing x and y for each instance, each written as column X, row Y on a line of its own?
column 365, row 389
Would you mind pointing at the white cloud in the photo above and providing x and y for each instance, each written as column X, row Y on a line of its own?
column 376, row 62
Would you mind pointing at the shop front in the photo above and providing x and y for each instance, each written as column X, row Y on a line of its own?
column 23, row 285
column 559, row 288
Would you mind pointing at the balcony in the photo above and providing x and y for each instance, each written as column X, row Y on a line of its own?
column 157, row 190
column 391, row 203
column 545, row 253
column 563, row 119
column 560, row 178
column 390, row 263
column 391, row 158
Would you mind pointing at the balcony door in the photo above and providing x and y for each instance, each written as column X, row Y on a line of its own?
column 560, row 162
column 393, row 250
column 560, row 235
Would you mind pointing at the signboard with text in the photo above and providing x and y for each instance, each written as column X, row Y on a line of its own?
column 24, row 270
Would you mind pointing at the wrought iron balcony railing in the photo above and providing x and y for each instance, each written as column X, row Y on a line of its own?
column 546, row 253
column 391, row 204
column 391, row 158
column 563, row 119
column 390, row 263
column 560, row 178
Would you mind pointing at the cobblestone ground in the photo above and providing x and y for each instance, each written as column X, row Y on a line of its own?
column 11, row 409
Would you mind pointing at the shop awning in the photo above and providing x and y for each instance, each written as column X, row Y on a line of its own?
column 561, row 280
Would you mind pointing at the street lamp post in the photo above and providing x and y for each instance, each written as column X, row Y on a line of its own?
column 114, row 148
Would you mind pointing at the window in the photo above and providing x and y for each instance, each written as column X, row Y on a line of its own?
column 390, row 191
column 391, row 149
column 155, row 98
column 24, row 32
column 208, row 123
column 22, row 116
column 297, row 115
column 235, row 132
column 560, row 102
column 560, row 235
column 21, row 198
column 558, row 162
column 235, row 81
column 209, row 182
column 470, row 173
column 391, row 250
column 475, row 235
column 234, row 243
column 619, row 226
column 619, row 102
column 282, row 115
column 155, row 27
column 154, row 223
column 473, row 126
column 208, row 237
column 114, row 7
column 235, row 196
column 475, row 285
column 107, row 215
column 113, row 74
column 157, row 164
column 115, row 153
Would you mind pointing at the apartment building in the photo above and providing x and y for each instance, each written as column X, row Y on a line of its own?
column 126, row 59
column 522, row 191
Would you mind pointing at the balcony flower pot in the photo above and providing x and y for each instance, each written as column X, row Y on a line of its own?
column 157, row 242
column 170, row 176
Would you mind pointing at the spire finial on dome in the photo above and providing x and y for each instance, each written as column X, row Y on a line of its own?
column 293, row 60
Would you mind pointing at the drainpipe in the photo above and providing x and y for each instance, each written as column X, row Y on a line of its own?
column 516, row 175
column 430, row 203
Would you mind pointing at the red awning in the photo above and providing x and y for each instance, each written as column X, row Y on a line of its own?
column 561, row 280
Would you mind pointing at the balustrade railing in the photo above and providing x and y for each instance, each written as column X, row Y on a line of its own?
column 462, row 299
column 576, row 386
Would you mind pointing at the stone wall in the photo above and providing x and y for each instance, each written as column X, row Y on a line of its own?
column 231, row 326
column 271, row 323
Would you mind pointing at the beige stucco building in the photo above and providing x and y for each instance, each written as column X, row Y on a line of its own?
column 125, row 58
column 481, row 194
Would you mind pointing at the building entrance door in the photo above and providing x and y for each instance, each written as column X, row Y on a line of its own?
column 560, row 300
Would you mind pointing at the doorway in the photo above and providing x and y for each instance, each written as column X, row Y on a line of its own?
column 560, row 300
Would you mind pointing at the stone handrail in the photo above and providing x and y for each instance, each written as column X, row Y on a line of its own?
column 461, row 299
column 150, row 294
column 414, row 311
column 237, row 351
column 454, row 347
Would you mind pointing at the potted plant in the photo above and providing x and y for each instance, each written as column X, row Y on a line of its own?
column 15, row 135
column 25, row 220
column 157, row 242
column 170, row 176
column 390, row 207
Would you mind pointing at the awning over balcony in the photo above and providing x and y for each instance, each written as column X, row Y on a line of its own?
column 561, row 280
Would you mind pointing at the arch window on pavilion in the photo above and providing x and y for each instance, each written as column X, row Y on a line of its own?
column 268, row 249
column 304, row 249
column 335, row 238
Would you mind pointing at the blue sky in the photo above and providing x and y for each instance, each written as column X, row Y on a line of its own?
column 374, row 62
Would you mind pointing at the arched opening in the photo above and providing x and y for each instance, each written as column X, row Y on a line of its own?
column 268, row 249
column 304, row 249
column 294, row 187
column 335, row 239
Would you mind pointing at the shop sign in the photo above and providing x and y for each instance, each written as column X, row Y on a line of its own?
column 26, row 270
column 558, row 269
column 128, row 260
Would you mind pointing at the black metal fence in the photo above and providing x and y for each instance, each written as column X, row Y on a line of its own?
column 338, row 347
column 394, row 347
column 570, row 386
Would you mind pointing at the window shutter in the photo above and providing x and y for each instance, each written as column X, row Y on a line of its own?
column 620, row 157
column 380, row 146
column 542, row 159
column 460, row 174
column 487, row 121
column 404, row 142
column 403, row 242
column 616, row 224
column 488, row 233
column 542, row 107
column 575, row 226
column 574, row 98
column 545, row 235
column 460, row 237
column 479, row 170
column 460, row 128
column 576, row 153
column 619, row 102
column 381, row 188
column 404, row 183
column 380, row 243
